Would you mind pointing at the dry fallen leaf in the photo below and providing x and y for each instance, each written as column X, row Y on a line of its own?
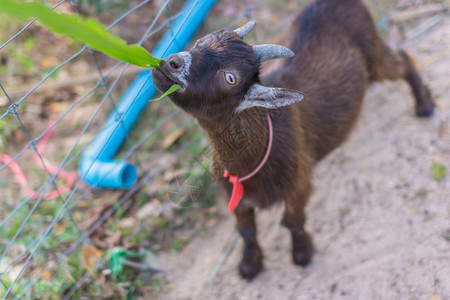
column 444, row 130
column 91, row 256
column 172, row 137
column 59, row 228
column 48, row 61
column 93, row 214
column 48, row 269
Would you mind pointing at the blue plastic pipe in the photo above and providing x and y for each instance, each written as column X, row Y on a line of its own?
column 97, row 166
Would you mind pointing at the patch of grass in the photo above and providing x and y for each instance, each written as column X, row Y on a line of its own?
column 161, row 223
column 179, row 243
column 439, row 171
column 7, row 126
column 156, row 284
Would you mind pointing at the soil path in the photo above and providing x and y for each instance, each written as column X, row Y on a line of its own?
column 380, row 223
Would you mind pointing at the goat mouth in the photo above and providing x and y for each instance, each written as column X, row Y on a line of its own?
column 166, row 76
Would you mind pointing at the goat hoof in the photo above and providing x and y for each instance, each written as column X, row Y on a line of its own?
column 303, row 257
column 426, row 110
column 302, row 250
column 249, row 271
column 251, row 264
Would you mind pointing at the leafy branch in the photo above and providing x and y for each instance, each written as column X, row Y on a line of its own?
column 87, row 30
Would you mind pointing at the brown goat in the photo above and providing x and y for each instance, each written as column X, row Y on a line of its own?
column 338, row 54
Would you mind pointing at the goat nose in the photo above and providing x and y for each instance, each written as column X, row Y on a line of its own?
column 175, row 62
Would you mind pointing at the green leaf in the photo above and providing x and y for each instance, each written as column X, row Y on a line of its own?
column 86, row 30
column 156, row 283
column 172, row 89
column 439, row 171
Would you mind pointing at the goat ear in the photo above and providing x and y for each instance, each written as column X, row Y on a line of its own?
column 268, row 97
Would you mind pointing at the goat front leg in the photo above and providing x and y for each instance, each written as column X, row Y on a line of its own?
column 251, row 263
column 294, row 220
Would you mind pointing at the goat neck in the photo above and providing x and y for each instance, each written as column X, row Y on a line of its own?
column 239, row 141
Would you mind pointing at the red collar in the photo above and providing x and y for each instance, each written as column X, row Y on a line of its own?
column 238, row 188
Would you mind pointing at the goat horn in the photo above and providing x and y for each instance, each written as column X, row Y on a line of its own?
column 270, row 51
column 244, row 29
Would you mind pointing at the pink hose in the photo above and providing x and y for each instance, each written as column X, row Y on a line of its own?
column 21, row 179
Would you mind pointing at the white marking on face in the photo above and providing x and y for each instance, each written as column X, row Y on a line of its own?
column 182, row 73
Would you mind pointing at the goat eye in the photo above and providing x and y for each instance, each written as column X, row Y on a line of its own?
column 230, row 78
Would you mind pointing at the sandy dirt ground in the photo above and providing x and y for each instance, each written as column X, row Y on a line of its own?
column 380, row 222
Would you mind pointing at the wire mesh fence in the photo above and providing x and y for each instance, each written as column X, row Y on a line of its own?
column 48, row 215
column 40, row 227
